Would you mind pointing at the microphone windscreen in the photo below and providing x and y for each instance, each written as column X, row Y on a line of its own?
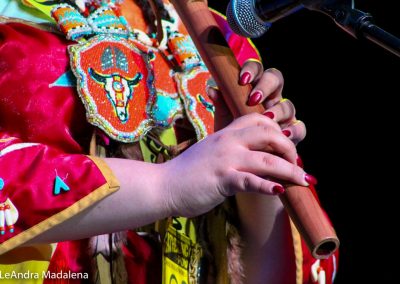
column 243, row 19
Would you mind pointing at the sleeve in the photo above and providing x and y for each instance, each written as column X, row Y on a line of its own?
column 242, row 47
column 44, row 176
column 41, row 187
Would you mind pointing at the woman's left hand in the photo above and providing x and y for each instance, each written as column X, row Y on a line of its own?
column 267, row 90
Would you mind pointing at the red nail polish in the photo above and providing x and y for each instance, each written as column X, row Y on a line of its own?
column 286, row 132
column 278, row 189
column 310, row 179
column 299, row 162
column 255, row 98
column 245, row 78
column 269, row 114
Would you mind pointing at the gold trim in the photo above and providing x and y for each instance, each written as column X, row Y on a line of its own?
column 9, row 138
column 254, row 60
column 106, row 171
column 109, row 187
column 298, row 253
column 39, row 252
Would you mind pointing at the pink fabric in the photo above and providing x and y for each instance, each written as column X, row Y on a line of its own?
column 30, row 60
column 52, row 117
column 241, row 46
column 29, row 178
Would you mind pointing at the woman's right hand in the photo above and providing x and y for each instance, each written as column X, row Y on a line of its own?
column 249, row 155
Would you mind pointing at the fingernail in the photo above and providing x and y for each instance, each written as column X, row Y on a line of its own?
column 299, row 162
column 286, row 132
column 310, row 179
column 278, row 189
column 245, row 78
column 269, row 114
column 255, row 98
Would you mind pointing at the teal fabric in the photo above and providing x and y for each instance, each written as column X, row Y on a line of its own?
column 164, row 109
column 15, row 9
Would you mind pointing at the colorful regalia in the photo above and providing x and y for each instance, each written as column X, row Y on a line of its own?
column 80, row 81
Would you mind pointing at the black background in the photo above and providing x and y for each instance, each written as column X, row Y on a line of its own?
column 345, row 91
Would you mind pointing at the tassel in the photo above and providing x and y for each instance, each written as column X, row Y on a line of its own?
column 108, row 260
column 8, row 216
column 234, row 253
column 2, row 220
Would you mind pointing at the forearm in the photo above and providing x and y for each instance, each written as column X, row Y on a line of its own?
column 138, row 202
column 268, row 254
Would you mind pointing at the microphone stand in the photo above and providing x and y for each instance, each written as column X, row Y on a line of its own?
column 357, row 23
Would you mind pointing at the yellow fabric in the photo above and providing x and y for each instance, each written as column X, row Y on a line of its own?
column 188, row 228
column 167, row 137
column 27, row 263
column 176, row 257
column 298, row 253
column 42, row 8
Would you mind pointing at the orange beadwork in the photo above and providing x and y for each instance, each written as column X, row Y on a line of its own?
column 183, row 50
column 70, row 21
column 116, row 86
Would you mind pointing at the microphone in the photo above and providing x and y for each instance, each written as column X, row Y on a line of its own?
column 252, row 18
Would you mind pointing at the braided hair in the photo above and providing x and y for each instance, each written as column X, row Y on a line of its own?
column 148, row 14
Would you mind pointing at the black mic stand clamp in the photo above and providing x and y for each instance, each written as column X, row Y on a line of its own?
column 355, row 22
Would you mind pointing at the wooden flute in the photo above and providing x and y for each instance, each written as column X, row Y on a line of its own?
column 299, row 202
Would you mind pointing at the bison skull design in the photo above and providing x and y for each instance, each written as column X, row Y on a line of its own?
column 119, row 90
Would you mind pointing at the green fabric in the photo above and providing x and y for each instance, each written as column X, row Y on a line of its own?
column 15, row 9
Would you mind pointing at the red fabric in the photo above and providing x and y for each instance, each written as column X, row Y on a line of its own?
column 69, row 257
column 142, row 259
column 29, row 179
column 30, row 60
column 329, row 265
column 31, row 111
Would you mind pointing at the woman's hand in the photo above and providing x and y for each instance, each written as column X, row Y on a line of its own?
column 267, row 90
column 249, row 155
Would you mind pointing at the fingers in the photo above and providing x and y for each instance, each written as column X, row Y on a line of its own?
column 268, row 88
column 253, row 119
column 267, row 165
column 295, row 131
column 267, row 139
column 257, row 132
column 282, row 112
column 247, row 182
column 251, row 71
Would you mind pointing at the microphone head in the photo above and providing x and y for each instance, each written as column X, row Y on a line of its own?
column 243, row 19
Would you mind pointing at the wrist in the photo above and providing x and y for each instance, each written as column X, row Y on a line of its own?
column 164, row 184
